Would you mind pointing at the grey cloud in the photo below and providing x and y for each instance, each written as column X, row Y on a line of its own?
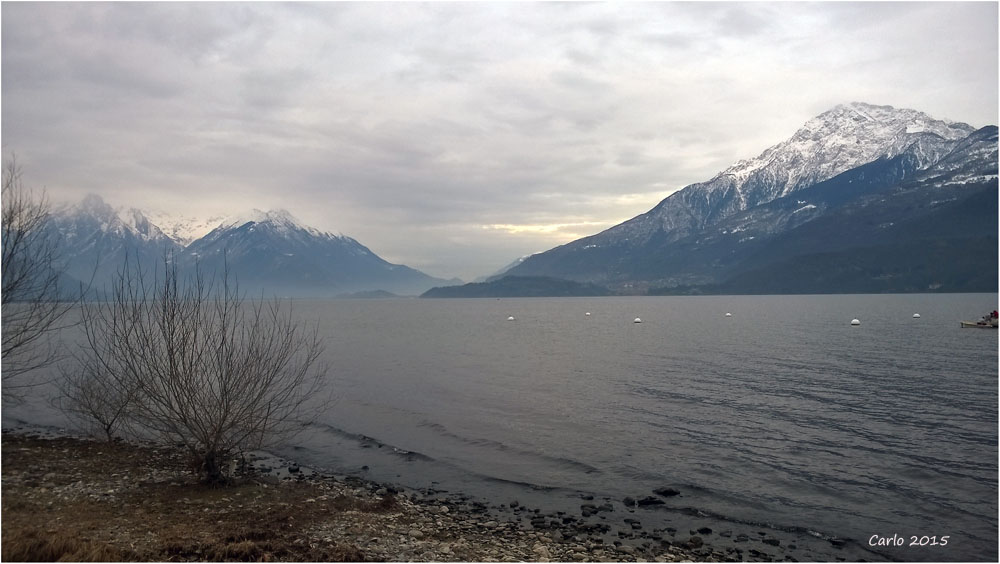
column 191, row 31
column 411, row 125
column 630, row 158
column 112, row 80
column 604, row 28
column 675, row 40
column 271, row 90
column 745, row 20
column 580, row 84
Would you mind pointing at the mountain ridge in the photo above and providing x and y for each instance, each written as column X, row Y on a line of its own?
column 268, row 251
column 846, row 138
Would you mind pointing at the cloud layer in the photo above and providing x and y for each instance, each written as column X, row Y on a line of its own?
column 454, row 137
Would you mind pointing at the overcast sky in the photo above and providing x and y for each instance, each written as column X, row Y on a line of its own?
column 455, row 137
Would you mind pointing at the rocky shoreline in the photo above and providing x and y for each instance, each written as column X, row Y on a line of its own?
column 139, row 502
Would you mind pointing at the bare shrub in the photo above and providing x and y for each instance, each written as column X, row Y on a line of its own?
column 201, row 365
column 99, row 402
column 31, row 301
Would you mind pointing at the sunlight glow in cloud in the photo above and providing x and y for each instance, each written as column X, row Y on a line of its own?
column 552, row 228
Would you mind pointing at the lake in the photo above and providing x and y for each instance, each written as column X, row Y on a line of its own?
column 781, row 418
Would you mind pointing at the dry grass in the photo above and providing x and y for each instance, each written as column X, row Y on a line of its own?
column 77, row 500
column 31, row 545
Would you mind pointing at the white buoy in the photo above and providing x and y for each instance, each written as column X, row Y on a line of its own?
column 637, row 320
column 916, row 316
column 728, row 314
column 511, row 318
column 855, row 322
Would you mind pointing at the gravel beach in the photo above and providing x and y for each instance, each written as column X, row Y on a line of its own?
column 81, row 499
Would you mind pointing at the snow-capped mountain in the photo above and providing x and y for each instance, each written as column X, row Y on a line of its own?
column 269, row 252
column 93, row 214
column 868, row 148
column 183, row 229
column 843, row 138
column 95, row 238
column 974, row 159
column 276, row 252
column 838, row 140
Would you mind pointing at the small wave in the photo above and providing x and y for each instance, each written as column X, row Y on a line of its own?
column 536, row 487
column 368, row 442
column 558, row 461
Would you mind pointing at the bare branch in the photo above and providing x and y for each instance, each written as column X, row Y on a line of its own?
column 31, row 300
column 199, row 364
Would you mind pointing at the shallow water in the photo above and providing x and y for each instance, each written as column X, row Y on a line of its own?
column 782, row 418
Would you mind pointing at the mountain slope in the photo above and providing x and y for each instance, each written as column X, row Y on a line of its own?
column 700, row 234
column 752, row 236
column 498, row 274
column 95, row 239
column 184, row 230
column 275, row 252
column 936, row 231
column 267, row 252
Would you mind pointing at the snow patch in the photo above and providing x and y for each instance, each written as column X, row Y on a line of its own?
column 183, row 229
column 971, row 179
column 938, row 202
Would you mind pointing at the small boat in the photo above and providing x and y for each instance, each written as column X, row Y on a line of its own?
column 981, row 324
column 988, row 321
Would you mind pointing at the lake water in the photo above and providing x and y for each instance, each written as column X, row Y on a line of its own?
column 782, row 418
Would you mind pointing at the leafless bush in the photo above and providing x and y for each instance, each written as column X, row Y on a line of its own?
column 201, row 365
column 98, row 401
column 30, row 300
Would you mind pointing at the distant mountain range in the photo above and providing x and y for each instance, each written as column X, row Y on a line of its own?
column 268, row 252
column 862, row 198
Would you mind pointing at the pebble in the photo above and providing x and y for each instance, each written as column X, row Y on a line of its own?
column 474, row 531
column 541, row 550
column 666, row 492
